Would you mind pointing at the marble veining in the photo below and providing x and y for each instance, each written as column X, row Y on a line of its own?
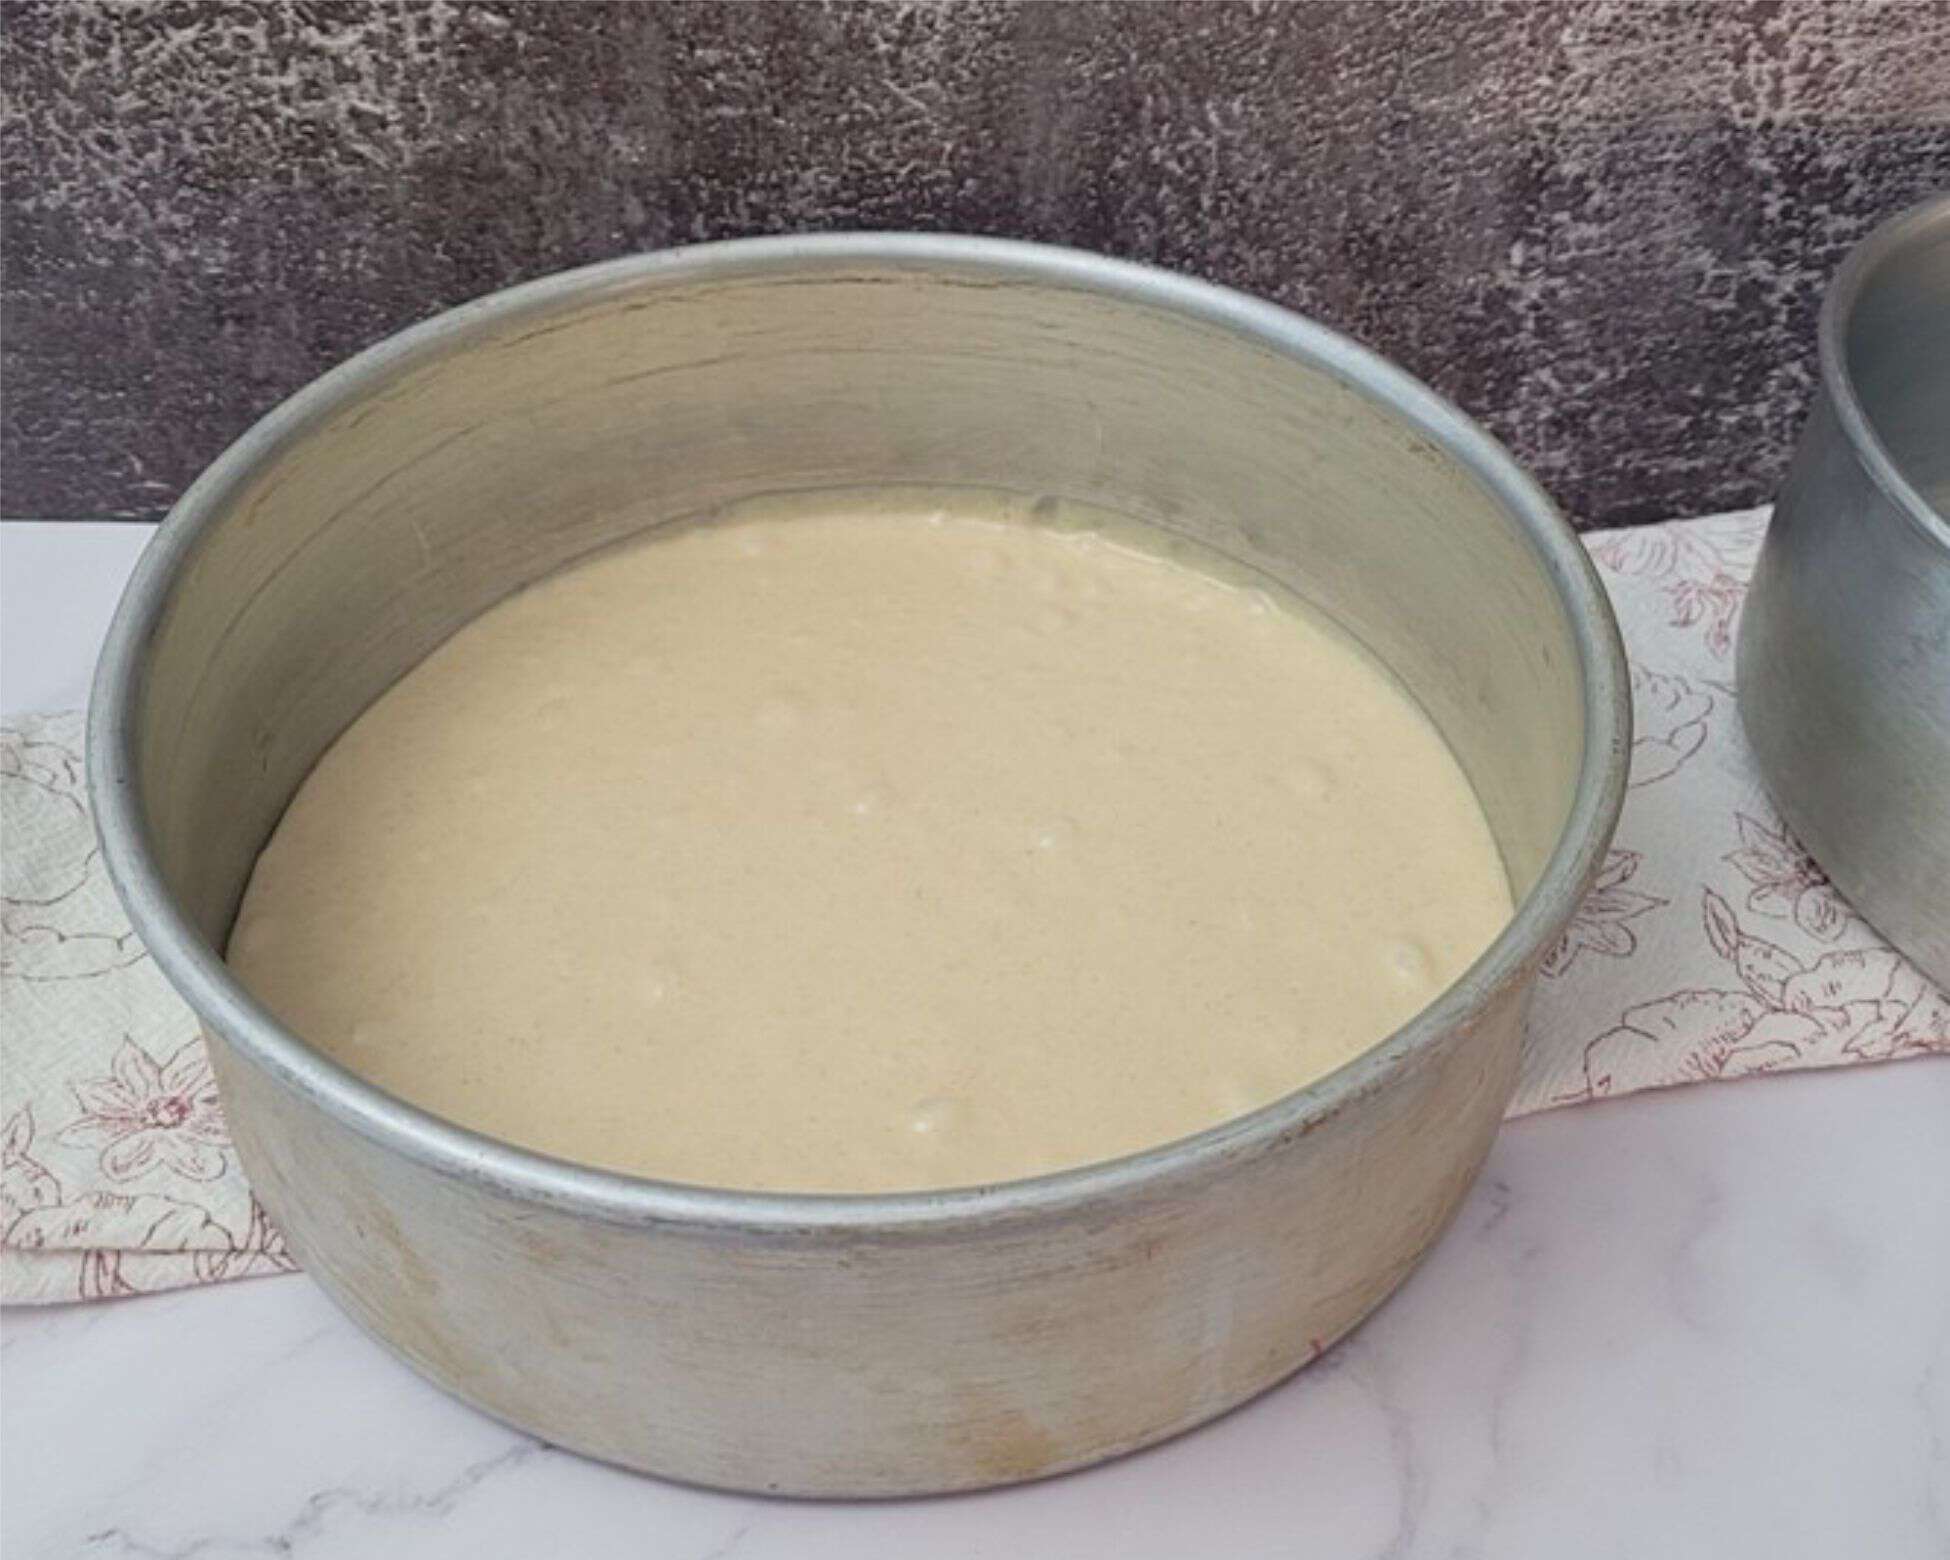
column 1709, row 1322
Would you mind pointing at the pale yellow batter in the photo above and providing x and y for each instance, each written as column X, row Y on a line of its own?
column 871, row 842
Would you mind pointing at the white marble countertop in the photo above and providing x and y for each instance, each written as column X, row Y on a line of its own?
column 1709, row 1322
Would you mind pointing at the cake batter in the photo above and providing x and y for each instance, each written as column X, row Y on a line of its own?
column 869, row 842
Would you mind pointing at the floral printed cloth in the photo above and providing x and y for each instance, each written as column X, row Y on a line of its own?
column 116, row 1173
column 1712, row 947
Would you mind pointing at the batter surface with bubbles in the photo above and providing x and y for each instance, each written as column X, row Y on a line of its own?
column 872, row 841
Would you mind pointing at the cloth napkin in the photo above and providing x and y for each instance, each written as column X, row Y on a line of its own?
column 1712, row 947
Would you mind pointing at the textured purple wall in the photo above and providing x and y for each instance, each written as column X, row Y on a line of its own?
column 1603, row 228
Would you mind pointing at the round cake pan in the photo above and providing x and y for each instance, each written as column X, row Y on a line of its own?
column 848, row 1345
column 1844, row 656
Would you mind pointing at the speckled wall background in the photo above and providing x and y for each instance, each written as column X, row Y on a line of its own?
column 1602, row 227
